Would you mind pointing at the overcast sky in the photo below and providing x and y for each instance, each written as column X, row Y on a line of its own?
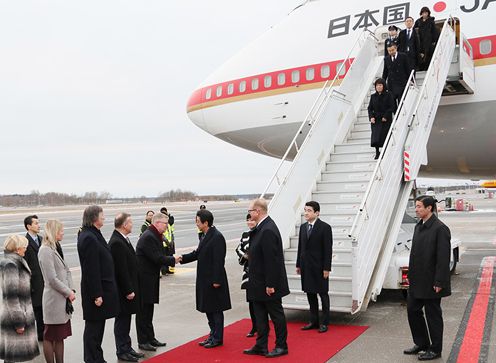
column 93, row 95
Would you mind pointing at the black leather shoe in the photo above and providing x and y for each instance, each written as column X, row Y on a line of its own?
column 127, row 357
column 251, row 333
column 323, row 328
column 277, row 352
column 310, row 326
column 212, row 344
column 255, row 351
column 203, row 342
column 429, row 355
column 147, row 347
column 413, row 350
column 156, row 343
column 136, row 354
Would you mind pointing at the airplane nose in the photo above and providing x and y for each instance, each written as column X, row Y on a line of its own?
column 194, row 110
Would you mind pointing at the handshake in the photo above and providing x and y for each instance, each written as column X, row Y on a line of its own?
column 178, row 258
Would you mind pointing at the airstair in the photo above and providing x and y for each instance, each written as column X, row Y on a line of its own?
column 361, row 198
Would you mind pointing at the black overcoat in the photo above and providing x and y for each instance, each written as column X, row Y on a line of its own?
column 315, row 256
column 126, row 272
column 37, row 283
column 409, row 46
column 428, row 36
column 380, row 105
column 151, row 257
column 430, row 259
column 396, row 73
column 97, row 275
column 210, row 254
column 266, row 263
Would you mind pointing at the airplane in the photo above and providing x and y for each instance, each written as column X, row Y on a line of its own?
column 488, row 184
column 258, row 98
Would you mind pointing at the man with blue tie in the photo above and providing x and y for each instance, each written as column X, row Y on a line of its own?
column 32, row 225
column 313, row 264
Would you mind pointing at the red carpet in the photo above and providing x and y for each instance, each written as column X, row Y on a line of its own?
column 304, row 346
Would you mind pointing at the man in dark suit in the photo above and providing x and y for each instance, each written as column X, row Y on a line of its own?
column 126, row 275
column 267, row 281
column 151, row 257
column 99, row 295
column 396, row 71
column 212, row 289
column 392, row 38
column 313, row 263
column 429, row 277
column 408, row 42
column 32, row 225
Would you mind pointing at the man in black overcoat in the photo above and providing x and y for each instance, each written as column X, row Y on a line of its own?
column 99, row 295
column 396, row 71
column 313, row 263
column 32, row 225
column 151, row 257
column 212, row 289
column 126, row 275
column 429, row 277
column 408, row 42
column 267, row 281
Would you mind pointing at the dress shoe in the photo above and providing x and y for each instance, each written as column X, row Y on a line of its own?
column 251, row 333
column 147, row 346
column 429, row 355
column 156, row 343
column 213, row 344
column 203, row 342
column 136, row 354
column 310, row 326
column 323, row 328
column 277, row 352
column 413, row 350
column 255, row 351
column 127, row 357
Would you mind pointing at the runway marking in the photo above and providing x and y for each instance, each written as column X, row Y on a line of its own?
column 472, row 340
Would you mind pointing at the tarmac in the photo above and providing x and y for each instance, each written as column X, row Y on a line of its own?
column 176, row 321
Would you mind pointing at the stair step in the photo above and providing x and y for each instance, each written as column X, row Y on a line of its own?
column 336, row 284
column 341, row 269
column 339, row 208
column 338, row 197
column 339, row 254
column 346, row 166
column 363, row 126
column 360, row 134
column 339, row 240
column 297, row 299
column 354, row 156
column 361, row 186
column 340, row 176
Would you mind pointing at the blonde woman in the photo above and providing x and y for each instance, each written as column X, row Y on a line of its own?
column 58, row 289
column 18, row 338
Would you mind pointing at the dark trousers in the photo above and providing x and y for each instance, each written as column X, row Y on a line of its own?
column 122, row 327
column 252, row 316
column 314, row 308
column 144, row 324
column 434, row 327
column 92, row 341
column 273, row 308
column 38, row 315
column 216, row 324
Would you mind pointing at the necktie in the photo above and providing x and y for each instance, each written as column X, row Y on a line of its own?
column 36, row 241
column 393, row 58
column 128, row 241
column 409, row 34
column 309, row 230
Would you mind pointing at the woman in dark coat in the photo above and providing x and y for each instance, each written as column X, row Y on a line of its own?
column 18, row 337
column 212, row 289
column 242, row 252
column 381, row 108
column 426, row 29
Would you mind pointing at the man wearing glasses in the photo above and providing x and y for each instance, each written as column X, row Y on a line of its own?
column 267, row 281
column 150, row 254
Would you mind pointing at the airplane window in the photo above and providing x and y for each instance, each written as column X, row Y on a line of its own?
column 485, row 46
column 295, row 76
column 230, row 89
column 218, row 92
column 254, row 84
column 267, row 81
column 281, row 79
column 343, row 71
column 242, row 86
column 310, row 74
column 208, row 94
column 325, row 71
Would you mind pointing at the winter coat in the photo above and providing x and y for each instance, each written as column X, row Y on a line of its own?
column 380, row 105
column 58, row 286
column 430, row 259
column 17, row 310
column 210, row 254
column 31, row 258
column 97, row 276
column 315, row 256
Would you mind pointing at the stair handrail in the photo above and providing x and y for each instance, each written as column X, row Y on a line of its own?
column 317, row 107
